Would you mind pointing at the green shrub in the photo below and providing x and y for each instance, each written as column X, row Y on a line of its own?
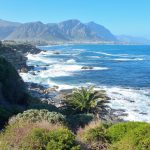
column 37, row 139
column 37, row 136
column 93, row 132
column 60, row 139
column 93, row 136
column 134, row 136
column 34, row 115
column 117, row 131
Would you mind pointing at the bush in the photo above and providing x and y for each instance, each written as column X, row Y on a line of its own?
column 34, row 115
column 136, row 137
column 36, row 136
column 61, row 139
column 118, row 131
column 93, row 135
column 37, row 139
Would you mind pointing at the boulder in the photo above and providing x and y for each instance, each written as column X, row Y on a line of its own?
column 24, row 70
column 87, row 67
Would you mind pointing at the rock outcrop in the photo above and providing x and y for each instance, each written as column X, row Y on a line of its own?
column 12, row 87
column 11, row 55
column 16, row 54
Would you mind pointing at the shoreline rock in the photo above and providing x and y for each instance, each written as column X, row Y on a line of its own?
column 55, row 97
column 87, row 67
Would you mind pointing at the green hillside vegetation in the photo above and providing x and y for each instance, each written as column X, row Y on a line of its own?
column 12, row 87
column 24, row 135
column 31, row 124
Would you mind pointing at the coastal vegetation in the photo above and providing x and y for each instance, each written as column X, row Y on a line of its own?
column 28, row 123
column 85, row 100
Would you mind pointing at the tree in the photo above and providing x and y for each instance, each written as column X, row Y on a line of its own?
column 85, row 99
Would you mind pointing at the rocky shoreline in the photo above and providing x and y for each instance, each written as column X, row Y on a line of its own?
column 15, row 53
column 55, row 97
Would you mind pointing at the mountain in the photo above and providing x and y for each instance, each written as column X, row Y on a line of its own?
column 101, row 32
column 132, row 39
column 7, row 27
column 75, row 30
column 37, row 31
column 70, row 30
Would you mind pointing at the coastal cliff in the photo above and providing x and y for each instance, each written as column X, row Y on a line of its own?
column 16, row 54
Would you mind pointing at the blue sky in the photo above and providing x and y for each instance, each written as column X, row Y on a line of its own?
column 130, row 17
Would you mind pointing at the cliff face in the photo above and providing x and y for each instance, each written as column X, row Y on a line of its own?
column 12, row 88
column 16, row 54
column 14, row 57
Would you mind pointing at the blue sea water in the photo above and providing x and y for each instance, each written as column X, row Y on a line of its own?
column 122, row 70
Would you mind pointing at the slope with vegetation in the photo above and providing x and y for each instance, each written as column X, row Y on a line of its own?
column 33, row 124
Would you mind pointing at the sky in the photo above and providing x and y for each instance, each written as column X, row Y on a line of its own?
column 129, row 17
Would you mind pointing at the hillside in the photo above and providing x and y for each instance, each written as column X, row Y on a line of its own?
column 6, row 28
column 132, row 39
column 70, row 30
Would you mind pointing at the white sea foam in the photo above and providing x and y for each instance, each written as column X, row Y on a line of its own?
column 94, row 57
column 40, row 58
column 135, row 102
column 128, row 59
column 71, row 61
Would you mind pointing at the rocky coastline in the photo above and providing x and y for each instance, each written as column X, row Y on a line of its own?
column 16, row 54
column 56, row 97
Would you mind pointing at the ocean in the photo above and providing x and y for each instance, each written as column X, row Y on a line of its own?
column 122, row 70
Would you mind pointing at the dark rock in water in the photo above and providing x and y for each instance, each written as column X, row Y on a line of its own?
column 57, row 53
column 136, row 110
column 67, row 91
column 132, row 101
column 33, row 73
column 56, row 87
column 86, row 67
column 24, row 70
column 30, row 67
column 143, row 113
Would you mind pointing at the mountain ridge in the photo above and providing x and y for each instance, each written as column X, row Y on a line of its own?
column 69, row 30
column 72, row 30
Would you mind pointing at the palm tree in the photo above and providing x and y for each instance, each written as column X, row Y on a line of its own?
column 85, row 99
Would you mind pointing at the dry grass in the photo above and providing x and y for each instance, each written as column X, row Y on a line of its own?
column 15, row 133
column 82, row 131
column 92, row 136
